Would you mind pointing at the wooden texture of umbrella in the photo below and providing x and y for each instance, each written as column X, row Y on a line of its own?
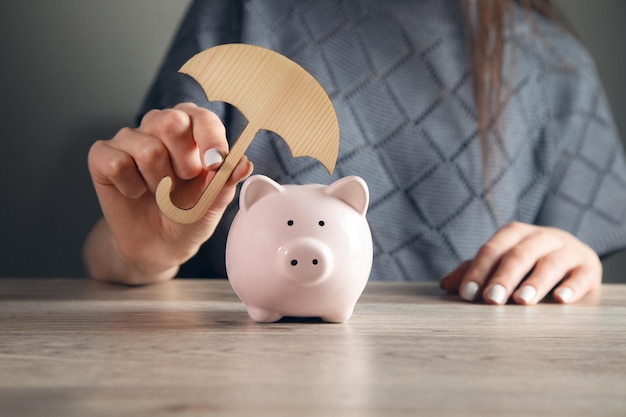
column 273, row 93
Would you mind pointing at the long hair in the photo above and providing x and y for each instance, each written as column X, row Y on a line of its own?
column 485, row 23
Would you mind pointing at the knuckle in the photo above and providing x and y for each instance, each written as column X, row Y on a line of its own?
column 124, row 133
column 213, row 122
column 118, row 166
column 172, row 122
column 153, row 153
column 517, row 256
column 550, row 263
column 550, row 237
column 186, row 106
column 94, row 153
column 104, row 164
column 490, row 250
column 542, row 233
column 148, row 116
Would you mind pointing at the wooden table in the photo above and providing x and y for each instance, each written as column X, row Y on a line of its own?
column 187, row 347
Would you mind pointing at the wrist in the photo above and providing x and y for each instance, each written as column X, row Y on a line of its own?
column 104, row 261
column 137, row 271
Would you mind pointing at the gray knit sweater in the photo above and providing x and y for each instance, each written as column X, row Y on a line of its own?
column 397, row 74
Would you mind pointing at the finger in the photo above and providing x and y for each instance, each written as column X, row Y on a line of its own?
column 242, row 171
column 227, row 193
column 452, row 281
column 209, row 134
column 188, row 193
column 580, row 282
column 548, row 271
column 149, row 154
column 112, row 167
column 488, row 257
column 174, row 128
column 531, row 252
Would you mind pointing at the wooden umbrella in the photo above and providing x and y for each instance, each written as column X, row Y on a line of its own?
column 273, row 93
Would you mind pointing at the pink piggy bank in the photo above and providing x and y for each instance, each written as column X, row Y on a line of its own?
column 300, row 250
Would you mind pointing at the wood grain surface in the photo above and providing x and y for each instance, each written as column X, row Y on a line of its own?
column 273, row 93
column 188, row 348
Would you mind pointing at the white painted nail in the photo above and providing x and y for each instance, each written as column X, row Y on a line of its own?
column 565, row 294
column 527, row 293
column 469, row 291
column 497, row 293
column 212, row 158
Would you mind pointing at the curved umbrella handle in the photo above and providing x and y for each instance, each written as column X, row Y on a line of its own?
column 193, row 214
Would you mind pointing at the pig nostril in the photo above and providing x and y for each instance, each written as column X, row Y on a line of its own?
column 294, row 262
column 314, row 261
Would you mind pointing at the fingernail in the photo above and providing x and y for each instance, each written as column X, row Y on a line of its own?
column 250, row 170
column 565, row 294
column 496, row 293
column 469, row 291
column 527, row 293
column 212, row 158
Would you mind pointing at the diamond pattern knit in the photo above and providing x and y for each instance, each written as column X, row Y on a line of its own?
column 397, row 74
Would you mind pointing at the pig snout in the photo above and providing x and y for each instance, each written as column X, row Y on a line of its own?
column 306, row 261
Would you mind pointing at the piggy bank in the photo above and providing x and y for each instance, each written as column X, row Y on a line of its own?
column 300, row 250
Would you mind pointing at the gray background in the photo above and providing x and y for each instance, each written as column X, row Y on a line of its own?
column 73, row 71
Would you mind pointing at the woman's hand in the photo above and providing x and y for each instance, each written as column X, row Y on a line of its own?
column 135, row 243
column 525, row 262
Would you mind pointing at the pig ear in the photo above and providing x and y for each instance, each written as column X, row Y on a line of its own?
column 351, row 190
column 255, row 188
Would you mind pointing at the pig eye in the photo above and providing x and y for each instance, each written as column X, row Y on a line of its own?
column 289, row 222
column 321, row 223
